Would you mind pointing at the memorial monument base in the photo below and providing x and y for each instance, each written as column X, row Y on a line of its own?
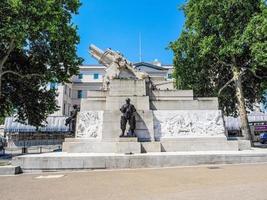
column 126, row 145
column 85, row 161
column 166, row 121
column 131, row 145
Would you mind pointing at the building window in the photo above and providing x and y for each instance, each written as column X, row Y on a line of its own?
column 80, row 94
column 96, row 76
column 169, row 76
column 80, row 76
column 69, row 92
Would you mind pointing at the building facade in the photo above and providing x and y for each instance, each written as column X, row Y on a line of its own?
column 64, row 98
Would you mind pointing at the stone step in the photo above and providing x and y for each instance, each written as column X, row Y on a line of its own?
column 147, row 147
column 10, row 170
column 77, row 161
column 175, row 146
column 128, row 139
column 102, row 147
column 165, row 145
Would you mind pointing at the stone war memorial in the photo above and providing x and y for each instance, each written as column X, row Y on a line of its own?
column 170, row 126
column 166, row 120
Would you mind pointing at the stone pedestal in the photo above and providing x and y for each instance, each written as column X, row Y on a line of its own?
column 10, row 170
column 144, row 125
column 198, row 144
column 124, row 145
column 147, row 147
column 166, row 121
column 127, row 87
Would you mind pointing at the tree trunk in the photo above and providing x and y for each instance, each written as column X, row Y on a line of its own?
column 245, row 129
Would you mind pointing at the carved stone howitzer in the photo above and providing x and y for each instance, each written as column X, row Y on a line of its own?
column 117, row 65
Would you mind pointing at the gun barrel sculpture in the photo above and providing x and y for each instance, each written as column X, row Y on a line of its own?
column 105, row 58
column 115, row 63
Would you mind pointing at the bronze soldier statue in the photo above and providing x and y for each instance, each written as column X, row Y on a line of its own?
column 71, row 121
column 128, row 111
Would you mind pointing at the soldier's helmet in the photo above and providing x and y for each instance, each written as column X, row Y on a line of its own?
column 128, row 100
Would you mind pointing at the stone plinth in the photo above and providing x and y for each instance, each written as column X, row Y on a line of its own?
column 147, row 147
column 115, row 102
column 144, row 125
column 171, row 103
column 198, row 144
column 10, row 170
column 156, row 95
column 62, row 160
column 124, row 87
column 89, row 104
column 165, row 116
column 101, row 147
column 128, row 145
column 128, row 139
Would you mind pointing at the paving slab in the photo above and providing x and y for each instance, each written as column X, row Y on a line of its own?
column 216, row 182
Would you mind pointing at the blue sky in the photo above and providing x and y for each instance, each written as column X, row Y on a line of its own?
column 116, row 24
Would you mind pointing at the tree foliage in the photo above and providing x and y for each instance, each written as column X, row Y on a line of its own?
column 218, row 35
column 37, row 46
column 222, row 51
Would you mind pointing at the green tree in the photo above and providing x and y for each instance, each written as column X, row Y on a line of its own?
column 222, row 51
column 37, row 46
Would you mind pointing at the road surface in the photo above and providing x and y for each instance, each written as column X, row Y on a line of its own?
column 246, row 182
